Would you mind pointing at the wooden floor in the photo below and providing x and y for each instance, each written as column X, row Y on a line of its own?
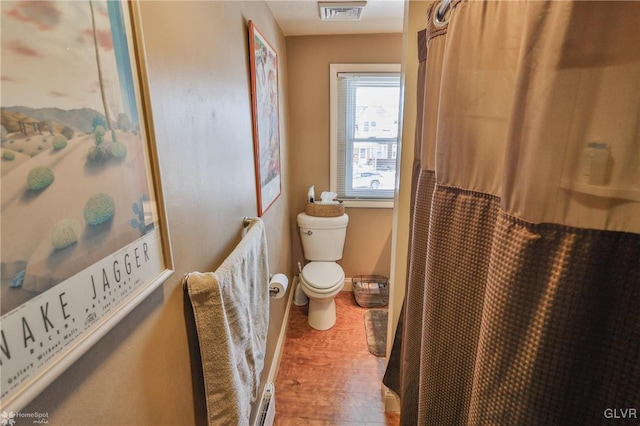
column 329, row 377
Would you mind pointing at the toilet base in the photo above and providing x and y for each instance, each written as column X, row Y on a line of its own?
column 322, row 313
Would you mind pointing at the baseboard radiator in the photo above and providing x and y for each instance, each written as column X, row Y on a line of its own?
column 267, row 411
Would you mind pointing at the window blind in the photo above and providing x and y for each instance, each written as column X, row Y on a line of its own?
column 352, row 134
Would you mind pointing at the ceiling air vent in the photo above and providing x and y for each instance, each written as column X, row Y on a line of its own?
column 341, row 11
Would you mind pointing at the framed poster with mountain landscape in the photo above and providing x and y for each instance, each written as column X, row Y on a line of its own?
column 83, row 229
column 266, row 133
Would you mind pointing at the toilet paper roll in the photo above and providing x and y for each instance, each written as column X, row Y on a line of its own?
column 278, row 286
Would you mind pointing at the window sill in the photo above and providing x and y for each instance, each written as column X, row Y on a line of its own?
column 369, row 204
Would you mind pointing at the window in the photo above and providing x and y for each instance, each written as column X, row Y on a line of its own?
column 365, row 106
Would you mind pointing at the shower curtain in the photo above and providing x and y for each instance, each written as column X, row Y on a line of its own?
column 523, row 290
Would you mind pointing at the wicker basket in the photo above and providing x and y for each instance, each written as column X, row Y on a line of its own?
column 324, row 210
column 371, row 291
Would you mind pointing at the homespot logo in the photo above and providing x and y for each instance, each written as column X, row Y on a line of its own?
column 620, row 413
column 10, row 419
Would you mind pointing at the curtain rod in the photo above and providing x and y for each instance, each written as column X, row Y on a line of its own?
column 442, row 10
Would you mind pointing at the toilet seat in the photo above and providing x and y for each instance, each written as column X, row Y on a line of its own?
column 322, row 277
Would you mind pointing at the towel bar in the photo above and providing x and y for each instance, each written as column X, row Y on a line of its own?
column 246, row 221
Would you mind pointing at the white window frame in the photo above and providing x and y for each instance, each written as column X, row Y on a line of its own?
column 334, row 69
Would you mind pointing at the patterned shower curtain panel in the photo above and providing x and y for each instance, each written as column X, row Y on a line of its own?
column 524, row 260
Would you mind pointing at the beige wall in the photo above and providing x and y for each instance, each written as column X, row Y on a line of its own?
column 368, row 245
column 140, row 372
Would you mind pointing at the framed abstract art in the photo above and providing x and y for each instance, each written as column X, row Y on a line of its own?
column 266, row 133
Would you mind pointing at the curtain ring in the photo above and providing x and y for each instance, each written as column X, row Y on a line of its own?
column 440, row 18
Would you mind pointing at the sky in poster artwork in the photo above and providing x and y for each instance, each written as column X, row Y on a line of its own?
column 48, row 55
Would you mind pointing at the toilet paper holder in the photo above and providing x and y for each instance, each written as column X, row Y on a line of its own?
column 273, row 291
column 278, row 284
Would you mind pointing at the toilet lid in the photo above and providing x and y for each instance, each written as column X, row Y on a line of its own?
column 322, row 275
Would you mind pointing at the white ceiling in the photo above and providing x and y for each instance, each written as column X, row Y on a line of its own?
column 301, row 17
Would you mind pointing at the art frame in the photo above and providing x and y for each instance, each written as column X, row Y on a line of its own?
column 266, row 121
column 98, row 248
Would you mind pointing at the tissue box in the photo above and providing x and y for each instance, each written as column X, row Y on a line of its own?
column 324, row 210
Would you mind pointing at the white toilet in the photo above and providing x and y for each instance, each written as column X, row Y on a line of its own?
column 322, row 278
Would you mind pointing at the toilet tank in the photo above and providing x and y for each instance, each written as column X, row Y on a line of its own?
column 322, row 237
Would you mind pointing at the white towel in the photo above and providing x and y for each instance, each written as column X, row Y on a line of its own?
column 231, row 310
